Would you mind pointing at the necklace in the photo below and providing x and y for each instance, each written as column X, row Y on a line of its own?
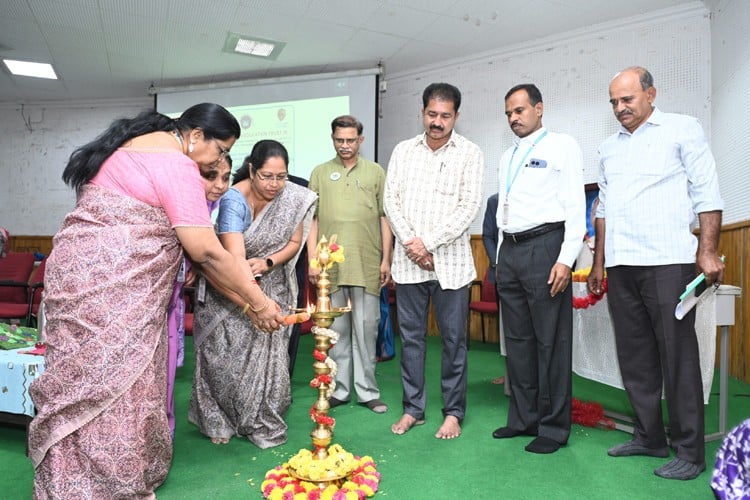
column 177, row 137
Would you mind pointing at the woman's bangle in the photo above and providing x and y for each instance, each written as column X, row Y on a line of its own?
column 261, row 308
column 247, row 306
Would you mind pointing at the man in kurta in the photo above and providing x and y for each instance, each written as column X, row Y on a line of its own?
column 350, row 205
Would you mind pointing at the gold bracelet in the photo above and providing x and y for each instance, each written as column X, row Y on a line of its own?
column 247, row 306
column 261, row 308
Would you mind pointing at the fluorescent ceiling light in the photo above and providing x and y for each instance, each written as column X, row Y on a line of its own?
column 252, row 46
column 25, row 68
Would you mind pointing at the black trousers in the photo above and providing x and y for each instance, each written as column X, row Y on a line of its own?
column 655, row 350
column 538, row 333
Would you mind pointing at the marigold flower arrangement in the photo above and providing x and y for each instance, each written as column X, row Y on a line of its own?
column 362, row 482
column 328, row 252
column 581, row 276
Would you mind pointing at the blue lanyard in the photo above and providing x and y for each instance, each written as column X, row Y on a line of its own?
column 508, row 181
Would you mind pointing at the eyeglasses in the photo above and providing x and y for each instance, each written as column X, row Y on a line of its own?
column 223, row 152
column 271, row 177
column 341, row 141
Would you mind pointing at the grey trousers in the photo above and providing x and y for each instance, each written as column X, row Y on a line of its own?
column 354, row 353
column 451, row 308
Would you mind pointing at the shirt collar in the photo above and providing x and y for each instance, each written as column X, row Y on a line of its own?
column 531, row 138
column 655, row 118
column 422, row 139
column 340, row 163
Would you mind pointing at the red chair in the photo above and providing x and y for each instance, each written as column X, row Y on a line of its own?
column 36, row 282
column 487, row 303
column 15, row 271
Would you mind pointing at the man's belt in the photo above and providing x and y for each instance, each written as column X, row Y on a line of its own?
column 533, row 232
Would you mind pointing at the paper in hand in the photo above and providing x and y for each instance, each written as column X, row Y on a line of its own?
column 696, row 291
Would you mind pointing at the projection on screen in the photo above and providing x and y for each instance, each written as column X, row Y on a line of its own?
column 297, row 113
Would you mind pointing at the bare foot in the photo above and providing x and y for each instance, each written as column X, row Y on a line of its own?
column 450, row 429
column 405, row 423
column 219, row 440
column 498, row 380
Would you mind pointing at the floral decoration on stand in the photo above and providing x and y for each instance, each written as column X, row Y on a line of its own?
column 327, row 471
column 361, row 482
column 581, row 276
column 329, row 253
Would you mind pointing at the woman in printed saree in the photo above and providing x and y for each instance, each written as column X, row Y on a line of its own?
column 241, row 383
column 101, row 429
column 216, row 183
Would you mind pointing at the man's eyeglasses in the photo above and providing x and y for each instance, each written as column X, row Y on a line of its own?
column 349, row 142
column 271, row 177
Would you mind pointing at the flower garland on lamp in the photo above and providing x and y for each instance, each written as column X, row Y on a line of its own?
column 580, row 276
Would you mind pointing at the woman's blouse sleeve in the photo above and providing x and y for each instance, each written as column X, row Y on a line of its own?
column 234, row 214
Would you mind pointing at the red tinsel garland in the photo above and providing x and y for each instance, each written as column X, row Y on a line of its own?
column 590, row 414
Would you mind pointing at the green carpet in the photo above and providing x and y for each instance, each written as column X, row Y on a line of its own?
column 416, row 465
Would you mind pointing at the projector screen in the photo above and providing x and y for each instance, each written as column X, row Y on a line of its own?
column 296, row 111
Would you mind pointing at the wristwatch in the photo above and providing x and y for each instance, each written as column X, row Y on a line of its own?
column 269, row 262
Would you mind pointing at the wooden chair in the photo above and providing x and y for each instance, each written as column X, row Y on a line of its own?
column 487, row 303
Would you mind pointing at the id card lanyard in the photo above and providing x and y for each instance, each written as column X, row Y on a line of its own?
column 510, row 180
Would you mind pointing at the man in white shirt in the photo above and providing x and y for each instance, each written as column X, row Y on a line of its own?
column 655, row 174
column 433, row 192
column 541, row 218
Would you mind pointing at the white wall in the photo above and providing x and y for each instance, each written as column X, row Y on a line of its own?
column 572, row 71
column 730, row 70
column 36, row 141
column 685, row 50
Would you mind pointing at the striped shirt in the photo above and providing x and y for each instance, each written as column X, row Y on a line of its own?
column 652, row 183
column 435, row 195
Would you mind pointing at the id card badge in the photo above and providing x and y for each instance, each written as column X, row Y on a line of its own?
column 181, row 273
column 506, row 209
column 201, row 292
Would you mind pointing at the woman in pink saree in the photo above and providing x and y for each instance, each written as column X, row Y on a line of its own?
column 101, row 429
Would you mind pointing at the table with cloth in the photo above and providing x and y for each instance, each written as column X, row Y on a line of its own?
column 18, row 370
column 594, row 352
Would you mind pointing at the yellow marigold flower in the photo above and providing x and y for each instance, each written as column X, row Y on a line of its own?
column 366, row 490
column 276, row 494
column 327, row 494
column 338, row 255
column 300, row 496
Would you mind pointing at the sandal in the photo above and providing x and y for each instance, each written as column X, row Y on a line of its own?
column 376, row 405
